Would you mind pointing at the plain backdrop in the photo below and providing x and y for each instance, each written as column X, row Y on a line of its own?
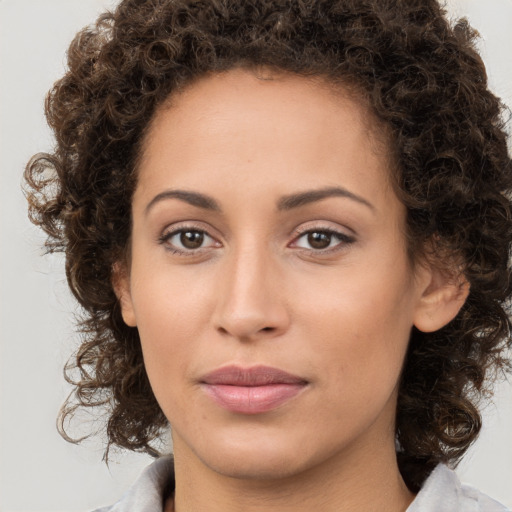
column 38, row 470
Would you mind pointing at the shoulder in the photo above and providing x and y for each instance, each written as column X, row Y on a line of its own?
column 443, row 492
column 147, row 493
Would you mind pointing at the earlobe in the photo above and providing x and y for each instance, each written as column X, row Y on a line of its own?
column 440, row 300
column 121, row 285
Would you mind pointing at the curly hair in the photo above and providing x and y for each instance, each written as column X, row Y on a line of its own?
column 419, row 76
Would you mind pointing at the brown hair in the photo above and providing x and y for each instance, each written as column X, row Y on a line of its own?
column 420, row 77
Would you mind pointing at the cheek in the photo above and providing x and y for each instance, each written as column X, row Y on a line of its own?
column 362, row 325
column 170, row 312
column 169, row 300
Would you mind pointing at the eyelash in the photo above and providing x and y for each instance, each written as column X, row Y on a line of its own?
column 165, row 238
column 343, row 240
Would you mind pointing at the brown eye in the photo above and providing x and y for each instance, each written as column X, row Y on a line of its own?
column 187, row 241
column 319, row 239
column 323, row 240
column 192, row 239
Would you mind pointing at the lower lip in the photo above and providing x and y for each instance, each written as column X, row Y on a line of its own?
column 252, row 399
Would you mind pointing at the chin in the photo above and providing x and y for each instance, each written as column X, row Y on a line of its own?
column 260, row 468
column 261, row 458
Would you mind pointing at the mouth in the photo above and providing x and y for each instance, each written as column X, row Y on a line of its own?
column 252, row 390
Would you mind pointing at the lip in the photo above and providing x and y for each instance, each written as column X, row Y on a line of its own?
column 253, row 390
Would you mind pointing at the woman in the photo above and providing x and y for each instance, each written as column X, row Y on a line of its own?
column 288, row 226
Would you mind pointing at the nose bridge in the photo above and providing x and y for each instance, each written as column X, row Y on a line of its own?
column 250, row 301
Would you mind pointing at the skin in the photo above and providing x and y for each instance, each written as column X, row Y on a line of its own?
column 256, row 291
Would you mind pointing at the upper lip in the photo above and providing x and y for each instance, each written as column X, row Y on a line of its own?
column 234, row 375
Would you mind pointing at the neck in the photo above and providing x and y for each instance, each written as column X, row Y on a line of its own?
column 343, row 483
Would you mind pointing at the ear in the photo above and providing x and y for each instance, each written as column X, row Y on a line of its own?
column 442, row 296
column 121, row 285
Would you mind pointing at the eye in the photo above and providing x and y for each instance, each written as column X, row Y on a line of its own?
column 187, row 240
column 322, row 239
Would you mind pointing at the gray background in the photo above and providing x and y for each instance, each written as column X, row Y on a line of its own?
column 38, row 470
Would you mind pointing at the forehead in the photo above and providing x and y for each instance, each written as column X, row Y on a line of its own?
column 229, row 96
column 231, row 125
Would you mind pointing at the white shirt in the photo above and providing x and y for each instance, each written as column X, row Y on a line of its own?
column 441, row 492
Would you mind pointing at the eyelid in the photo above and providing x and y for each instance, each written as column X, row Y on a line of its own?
column 324, row 225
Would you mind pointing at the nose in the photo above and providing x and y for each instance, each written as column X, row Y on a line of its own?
column 251, row 301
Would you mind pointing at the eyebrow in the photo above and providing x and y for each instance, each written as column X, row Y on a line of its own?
column 285, row 203
column 311, row 196
column 193, row 198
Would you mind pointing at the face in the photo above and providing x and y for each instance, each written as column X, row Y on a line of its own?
column 269, row 277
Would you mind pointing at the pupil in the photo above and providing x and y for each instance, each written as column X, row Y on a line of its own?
column 319, row 240
column 192, row 239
